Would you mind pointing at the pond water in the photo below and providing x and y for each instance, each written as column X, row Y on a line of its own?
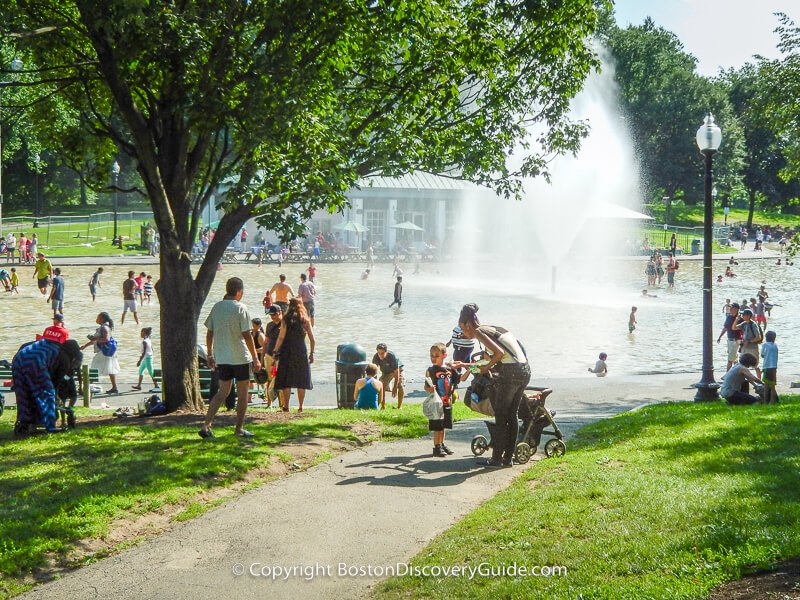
column 562, row 331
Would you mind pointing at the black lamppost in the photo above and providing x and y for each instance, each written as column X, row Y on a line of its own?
column 709, row 137
column 117, row 240
column 38, row 163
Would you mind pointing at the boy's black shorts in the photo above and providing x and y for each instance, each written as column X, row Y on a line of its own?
column 770, row 376
column 442, row 424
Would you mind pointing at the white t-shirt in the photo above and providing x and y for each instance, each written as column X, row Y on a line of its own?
column 228, row 319
column 732, row 380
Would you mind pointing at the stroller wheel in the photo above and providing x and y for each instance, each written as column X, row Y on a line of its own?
column 479, row 445
column 555, row 447
column 523, row 453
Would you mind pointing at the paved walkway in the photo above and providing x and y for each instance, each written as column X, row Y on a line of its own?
column 375, row 506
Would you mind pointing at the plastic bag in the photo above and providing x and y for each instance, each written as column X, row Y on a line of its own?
column 433, row 407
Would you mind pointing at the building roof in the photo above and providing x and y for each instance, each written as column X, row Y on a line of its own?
column 417, row 180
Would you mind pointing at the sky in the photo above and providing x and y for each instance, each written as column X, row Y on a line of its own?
column 719, row 33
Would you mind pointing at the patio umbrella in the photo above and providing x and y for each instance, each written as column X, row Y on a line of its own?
column 407, row 225
column 607, row 210
column 351, row 226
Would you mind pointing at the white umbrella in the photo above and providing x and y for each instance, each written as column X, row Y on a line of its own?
column 606, row 210
column 351, row 226
column 407, row 225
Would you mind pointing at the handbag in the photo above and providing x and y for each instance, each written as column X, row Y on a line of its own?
column 108, row 348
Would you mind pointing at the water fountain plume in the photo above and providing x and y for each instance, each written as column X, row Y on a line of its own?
column 563, row 222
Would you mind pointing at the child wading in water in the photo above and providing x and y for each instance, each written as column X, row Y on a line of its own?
column 600, row 367
column 443, row 379
column 145, row 362
column 632, row 320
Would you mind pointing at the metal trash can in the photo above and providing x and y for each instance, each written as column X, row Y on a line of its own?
column 351, row 360
column 697, row 245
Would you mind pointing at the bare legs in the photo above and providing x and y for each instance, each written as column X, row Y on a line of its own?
column 286, row 393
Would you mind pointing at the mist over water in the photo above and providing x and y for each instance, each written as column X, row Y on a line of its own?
column 564, row 223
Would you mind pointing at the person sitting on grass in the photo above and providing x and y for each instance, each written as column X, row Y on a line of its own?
column 368, row 392
column 734, row 382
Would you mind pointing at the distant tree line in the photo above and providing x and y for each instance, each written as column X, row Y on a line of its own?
column 664, row 101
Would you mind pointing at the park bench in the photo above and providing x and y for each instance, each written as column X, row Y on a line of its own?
column 230, row 256
column 88, row 376
column 266, row 255
column 205, row 382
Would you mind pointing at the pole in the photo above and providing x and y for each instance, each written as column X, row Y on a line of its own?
column 1, row 163
column 115, row 240
column 707, row 387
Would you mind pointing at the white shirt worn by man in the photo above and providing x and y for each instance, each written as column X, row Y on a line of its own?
column 227, row 320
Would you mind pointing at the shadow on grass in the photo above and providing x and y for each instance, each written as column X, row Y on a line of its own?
column 744, row 460
column 58, row 489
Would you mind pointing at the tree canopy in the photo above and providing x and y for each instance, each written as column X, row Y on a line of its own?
column 286, row 104
column 665, row 101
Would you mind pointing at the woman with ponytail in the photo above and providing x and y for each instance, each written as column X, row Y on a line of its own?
column 507, row 358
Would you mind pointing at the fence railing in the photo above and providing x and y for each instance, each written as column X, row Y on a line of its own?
column 659, row 236
column 76, row 230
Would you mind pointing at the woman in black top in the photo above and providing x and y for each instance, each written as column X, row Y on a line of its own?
column 294, row 359
column 513, row 375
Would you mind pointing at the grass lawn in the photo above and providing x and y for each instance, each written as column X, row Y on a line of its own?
column 64, row 488
column 666, row 502
column 692, row 216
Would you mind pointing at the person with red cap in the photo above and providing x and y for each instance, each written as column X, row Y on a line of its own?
column 56, row 332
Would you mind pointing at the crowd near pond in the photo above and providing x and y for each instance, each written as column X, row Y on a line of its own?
column 563, row 330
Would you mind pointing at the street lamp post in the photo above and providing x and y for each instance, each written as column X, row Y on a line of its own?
column 37, row 161
column 117, row 240
column 16, row 65
column 709, row 138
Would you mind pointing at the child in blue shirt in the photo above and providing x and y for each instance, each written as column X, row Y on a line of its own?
column 769, row 354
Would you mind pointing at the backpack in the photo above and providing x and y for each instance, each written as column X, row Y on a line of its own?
column 154, row 406
column 759, row 334
column 109, row 348
column 677, row 264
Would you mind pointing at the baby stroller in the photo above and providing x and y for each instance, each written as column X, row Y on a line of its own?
column 534, row 420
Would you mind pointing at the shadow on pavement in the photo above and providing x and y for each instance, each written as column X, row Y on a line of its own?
column 417, row 471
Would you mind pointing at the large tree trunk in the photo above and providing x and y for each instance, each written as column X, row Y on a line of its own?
column 180, row 309
column 752, row 194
